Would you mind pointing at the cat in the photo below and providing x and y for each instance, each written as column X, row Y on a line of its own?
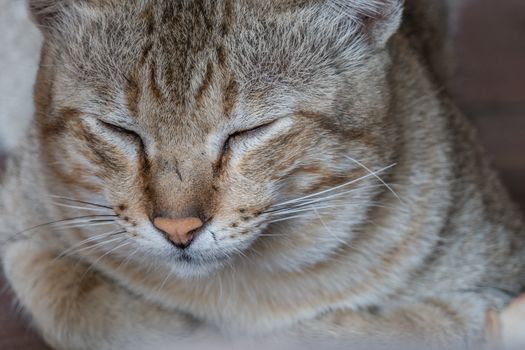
column 283, row 169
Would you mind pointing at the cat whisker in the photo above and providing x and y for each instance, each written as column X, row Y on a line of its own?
column 75, row 225
column 375, row 175
column 89, row 240
column 99, row 244
column 58, row 224
column 91, row 223
column 67, row 199
column 305, row 211
column 241, row 253
column 79, row 207
column 305, row 208
column 127, row 260
column 127, row 242
column 165, row 280
column 334, row 196
column 322, row 199
column 291, row 209
column 78, row 219
column 336, row 187
column 287, row 218
column 329, row 232
column 272, row 235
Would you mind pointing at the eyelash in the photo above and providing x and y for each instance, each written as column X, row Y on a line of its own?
column 123, row 131
column 225, row 147
column 243, row 133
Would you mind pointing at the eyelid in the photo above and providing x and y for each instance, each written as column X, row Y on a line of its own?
column 116, row 127
column 247, row 133
column 252, row 131
column 122, row 131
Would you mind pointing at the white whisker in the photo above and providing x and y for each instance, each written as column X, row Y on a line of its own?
column 127, row 260
column 324, row 199
column 321, row 199
column 163, row 283
column 288, row 218
column 81, row 201
column 347, row 205
column 104, row 255
column 293, row 211
column 98, row 245
column 79, row 207
column 339, row 194
column 375, row 175
column 272, row 235
column 89, row 240
column 86, row 224
column 336, row 187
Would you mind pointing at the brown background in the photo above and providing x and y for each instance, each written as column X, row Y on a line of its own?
column 490, row 86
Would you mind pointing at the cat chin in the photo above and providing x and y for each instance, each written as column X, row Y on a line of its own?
column 188, row 267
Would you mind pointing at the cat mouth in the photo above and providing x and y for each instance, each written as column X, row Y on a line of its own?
column 186, row 258
column 189, row 265
column 200, row 260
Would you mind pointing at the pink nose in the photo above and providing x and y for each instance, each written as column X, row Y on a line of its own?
column 179, row 231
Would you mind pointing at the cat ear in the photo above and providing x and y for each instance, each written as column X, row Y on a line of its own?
column 46, row 12
column 378, row 20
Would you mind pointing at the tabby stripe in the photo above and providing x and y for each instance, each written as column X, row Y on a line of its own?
column 205, row 85
column 153, row 84
column 229, row 97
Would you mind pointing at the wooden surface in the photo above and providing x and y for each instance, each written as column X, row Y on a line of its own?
column 490, row 87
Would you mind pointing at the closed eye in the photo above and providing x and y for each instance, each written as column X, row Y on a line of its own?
column 244, row 134
column 117, row 129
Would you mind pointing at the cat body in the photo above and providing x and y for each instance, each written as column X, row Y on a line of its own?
column 342, row 196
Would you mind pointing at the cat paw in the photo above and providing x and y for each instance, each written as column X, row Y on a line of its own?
column 513, row 324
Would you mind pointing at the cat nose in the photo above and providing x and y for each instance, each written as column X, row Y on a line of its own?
column 179, row 231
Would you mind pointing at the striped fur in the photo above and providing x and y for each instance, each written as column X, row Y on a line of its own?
column 344, row 197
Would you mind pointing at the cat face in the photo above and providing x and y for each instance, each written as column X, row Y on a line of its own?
column 262, row 119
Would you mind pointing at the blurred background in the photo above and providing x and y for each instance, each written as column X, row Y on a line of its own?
column 490, row 83
column 489, row 87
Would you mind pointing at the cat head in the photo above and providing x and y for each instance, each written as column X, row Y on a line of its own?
column 261, row 121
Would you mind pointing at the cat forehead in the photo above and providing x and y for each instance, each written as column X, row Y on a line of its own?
column 266, row 40
column 178, row 58
column 209, row 60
